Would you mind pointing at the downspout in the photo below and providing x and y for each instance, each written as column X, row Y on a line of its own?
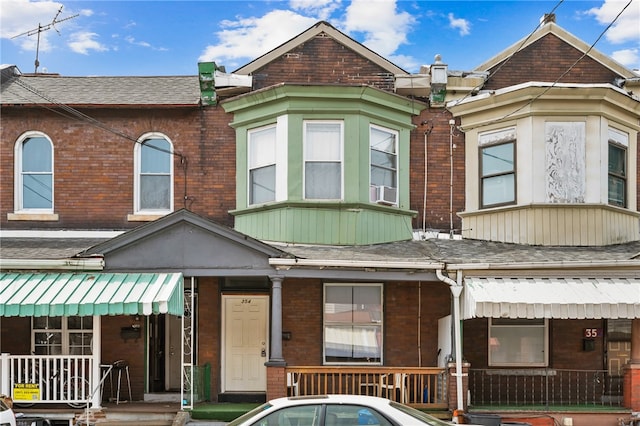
column 456, row 290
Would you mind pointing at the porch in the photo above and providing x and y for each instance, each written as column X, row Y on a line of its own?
column 420, row 387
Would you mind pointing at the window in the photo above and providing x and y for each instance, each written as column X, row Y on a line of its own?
column 34, row 173
column 154, row 174
column 384, row 165
column 497, row 168
column 62, row 335
column 323, row 160
column 262, row 165
column 617, row 185
column 518, row 342
column 352, row 323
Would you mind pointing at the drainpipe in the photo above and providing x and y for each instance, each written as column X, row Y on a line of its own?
column 456, row 290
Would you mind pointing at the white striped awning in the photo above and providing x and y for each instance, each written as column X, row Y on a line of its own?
column 67, row 294
column 563, row 298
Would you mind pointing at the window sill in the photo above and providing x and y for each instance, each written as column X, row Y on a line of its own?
column 141, row 217
column 38, row 217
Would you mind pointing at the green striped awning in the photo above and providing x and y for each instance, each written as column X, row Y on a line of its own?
column 67, row 294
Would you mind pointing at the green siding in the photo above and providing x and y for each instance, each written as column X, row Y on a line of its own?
column 326, row 224
column 353, row 220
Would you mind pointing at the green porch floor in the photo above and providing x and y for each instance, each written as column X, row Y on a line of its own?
column 221, row 411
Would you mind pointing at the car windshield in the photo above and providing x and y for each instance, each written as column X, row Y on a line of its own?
column 250, row 414
column 420, row 415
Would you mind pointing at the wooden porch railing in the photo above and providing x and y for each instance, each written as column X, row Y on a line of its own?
column 421, row 387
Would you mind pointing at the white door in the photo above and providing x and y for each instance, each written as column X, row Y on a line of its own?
column 245, row 343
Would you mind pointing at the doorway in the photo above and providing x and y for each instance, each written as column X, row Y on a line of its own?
column 245, row 332
column 165, row 352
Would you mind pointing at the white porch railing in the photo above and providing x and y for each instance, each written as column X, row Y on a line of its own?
column 33, row 379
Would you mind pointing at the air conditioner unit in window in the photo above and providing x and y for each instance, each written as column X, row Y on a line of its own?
column 386, row 195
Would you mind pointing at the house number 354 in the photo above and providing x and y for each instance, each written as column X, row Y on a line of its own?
column 246, row 300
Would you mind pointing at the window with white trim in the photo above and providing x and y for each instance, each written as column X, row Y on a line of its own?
column 153, row 174
column 518, row 342
column 323, row 160
column 497, row 168
column 617, row 173
column 384, row 164
column 262, row 164
column 62, row 335
column 353, row 323
column 34, row 173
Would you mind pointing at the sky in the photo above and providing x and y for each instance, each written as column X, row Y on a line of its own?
column 170, row 37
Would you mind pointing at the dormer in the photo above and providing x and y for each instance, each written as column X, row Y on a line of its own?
column 323, row 164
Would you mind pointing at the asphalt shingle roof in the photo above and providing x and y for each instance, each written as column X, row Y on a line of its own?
column 48, row 89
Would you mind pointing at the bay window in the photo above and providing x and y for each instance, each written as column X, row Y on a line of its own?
column 617, row 176
column 384, row 164
column 262, row 165
column 497, row 168
column 323, row 160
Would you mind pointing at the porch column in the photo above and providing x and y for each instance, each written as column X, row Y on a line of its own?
column 275, row 353
column 96, row 372
column 631, row 390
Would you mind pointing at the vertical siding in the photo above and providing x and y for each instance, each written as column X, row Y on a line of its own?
column 555, row 225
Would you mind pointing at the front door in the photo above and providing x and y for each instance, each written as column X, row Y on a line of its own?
column 245, row 343
column 173, row 350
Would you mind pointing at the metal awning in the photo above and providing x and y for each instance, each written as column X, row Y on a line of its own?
column 66, row 294
column 562, row 298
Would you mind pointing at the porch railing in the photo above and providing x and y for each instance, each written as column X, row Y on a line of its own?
column 544, row 387
column 48, row 378
column 424, row 387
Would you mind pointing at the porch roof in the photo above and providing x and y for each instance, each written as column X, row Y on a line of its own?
column 66, row 294
column 560, row 297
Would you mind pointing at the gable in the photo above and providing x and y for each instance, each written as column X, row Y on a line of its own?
column 551, row 48
column 545, row 60
column 319, row 55
column 184, row 242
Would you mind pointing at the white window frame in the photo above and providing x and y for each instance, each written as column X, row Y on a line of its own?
column 137, row 173
column 396, row 136
column 263, row 162
column 378, row 324
column 340, row 160
column 492, row 139
column 65, row 336
column 18, row 174
column 619, row 140
column 517, row 324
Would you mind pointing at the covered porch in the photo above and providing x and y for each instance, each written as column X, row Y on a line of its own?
column 65, row 364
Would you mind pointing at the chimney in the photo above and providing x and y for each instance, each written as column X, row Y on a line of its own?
column 548, row 17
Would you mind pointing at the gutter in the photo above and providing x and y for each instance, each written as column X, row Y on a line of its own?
column 456, row 290
column 92, row 264
column 281, row 263
column 545, row 265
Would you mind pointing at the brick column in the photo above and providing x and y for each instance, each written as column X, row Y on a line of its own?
column 452, row 390
column 276, row 381
column 631, row 389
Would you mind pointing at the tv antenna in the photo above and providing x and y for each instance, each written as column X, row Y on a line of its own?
column 42, row 28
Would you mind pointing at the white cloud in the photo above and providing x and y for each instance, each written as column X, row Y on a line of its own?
column 462, row 25
column 321, row 9
column 255, row 36
column 385, row 29
column 83, row 42
column 628, row 57
column 626, row 28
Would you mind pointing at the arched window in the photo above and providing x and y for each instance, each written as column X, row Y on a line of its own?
column 153, row 189
column 34, row 173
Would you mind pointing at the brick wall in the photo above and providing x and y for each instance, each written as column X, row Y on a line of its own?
column 546, row 60
column 322, row 60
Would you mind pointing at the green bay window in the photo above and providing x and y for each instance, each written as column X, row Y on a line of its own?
column 384, row 165
column 323, row 160
column 262, row 165
column 352, row 323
